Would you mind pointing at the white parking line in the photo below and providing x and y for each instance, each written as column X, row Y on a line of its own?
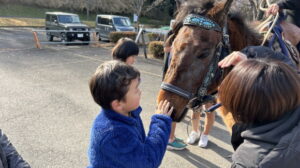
column 96, row 59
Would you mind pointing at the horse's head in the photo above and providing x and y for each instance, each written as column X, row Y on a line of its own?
column 197, row 35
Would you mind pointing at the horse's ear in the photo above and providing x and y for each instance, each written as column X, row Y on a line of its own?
column 178, row 4
column 222, row 13
column 227, row 6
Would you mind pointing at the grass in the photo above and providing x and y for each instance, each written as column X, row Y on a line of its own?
column 24, row 15
column 15, row 10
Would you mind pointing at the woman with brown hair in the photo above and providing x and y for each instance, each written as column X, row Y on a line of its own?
column 264, row 95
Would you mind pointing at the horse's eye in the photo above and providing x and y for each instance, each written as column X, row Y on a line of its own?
column 203, row 55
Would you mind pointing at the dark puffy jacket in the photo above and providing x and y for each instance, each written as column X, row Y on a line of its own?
column 272, row 145
column 9, row 157
column 293, row 10
column 261, row 52
column 256, row 52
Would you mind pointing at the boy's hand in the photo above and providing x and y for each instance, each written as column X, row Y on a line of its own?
column 272, row 10
column 164, row 108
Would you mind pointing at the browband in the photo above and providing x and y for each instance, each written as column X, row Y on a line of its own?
column 201, row 21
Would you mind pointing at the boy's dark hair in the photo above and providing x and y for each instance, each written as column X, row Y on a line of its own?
column 125, row 48
column 111, row 82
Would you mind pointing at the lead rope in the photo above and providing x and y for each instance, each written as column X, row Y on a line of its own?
column 266, row 22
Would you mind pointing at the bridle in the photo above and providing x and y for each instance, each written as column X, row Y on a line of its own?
column 222, row 50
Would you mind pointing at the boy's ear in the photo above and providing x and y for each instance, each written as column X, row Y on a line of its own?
column 116, row 105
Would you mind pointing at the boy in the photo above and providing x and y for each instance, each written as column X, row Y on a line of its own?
column 126, row 50
column 118, row 138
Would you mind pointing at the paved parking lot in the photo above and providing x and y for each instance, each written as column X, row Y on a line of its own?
column 47, row 110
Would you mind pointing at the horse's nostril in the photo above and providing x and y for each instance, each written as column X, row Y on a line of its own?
column 173, row 115
column 183, row 114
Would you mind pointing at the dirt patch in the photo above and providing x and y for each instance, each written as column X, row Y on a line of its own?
column 32, row 22
column 21, row 22
column 103, row 45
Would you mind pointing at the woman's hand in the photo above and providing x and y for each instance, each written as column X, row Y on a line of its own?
column 232, row 59
column 272, row 10
column 164, row 108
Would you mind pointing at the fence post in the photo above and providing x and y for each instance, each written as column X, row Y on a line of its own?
column 144, row 44
column 138, row 35
column 36, row 40
column 141, row 35
column 95, row 38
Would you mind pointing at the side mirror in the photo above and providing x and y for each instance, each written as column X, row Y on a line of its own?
column 55, row 21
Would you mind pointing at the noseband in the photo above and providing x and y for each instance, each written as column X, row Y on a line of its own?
column 222, row 47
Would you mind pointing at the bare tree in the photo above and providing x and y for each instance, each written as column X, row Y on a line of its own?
column 136, row 6
column 153, row 5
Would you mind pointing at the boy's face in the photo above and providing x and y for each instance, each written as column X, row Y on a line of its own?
column 132, row 98
column 130, row 60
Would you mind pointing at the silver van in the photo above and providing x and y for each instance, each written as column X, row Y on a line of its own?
column 111, row 23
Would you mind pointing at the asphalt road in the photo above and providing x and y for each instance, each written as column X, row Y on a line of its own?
column 47, row 111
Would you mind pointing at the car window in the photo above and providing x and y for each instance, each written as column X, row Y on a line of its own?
column 53, row 18
column 121, row 21
column 105, row 21
column 68, row 19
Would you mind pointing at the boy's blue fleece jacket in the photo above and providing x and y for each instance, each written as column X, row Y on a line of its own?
column 119, row 141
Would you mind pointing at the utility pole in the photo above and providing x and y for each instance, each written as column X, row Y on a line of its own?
column 87, row 9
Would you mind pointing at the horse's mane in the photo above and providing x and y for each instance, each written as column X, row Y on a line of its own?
column 249, row 32
column 194, row 7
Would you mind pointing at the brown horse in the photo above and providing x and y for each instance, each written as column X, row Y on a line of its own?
column 197, row 45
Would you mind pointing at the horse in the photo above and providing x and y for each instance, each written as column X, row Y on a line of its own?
column 203, row 33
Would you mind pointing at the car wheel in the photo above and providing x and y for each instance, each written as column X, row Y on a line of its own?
column 86, row 41
column 49, row 37
column 64, row 39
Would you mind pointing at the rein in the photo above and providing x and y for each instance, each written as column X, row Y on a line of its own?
column 200, row 97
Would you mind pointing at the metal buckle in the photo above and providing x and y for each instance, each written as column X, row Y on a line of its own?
column 226, row 39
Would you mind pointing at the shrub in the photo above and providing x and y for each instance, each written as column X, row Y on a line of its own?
column 153, row 36
column 115, row 36
column 156, row 48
